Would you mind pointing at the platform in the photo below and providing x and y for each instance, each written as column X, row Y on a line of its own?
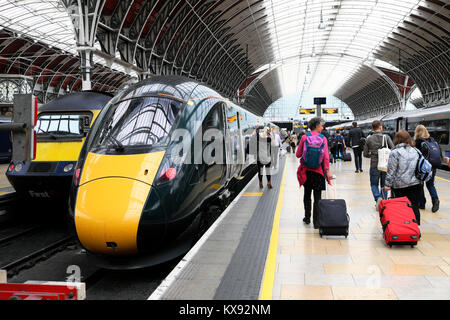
column 260, row 249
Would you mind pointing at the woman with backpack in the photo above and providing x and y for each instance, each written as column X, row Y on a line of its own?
column 401, row 175
column 314, row 167
column 431, row 151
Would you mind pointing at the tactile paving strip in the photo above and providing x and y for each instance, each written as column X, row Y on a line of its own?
column 242, row 279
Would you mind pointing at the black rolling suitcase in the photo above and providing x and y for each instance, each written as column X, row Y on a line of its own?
column 333, row 217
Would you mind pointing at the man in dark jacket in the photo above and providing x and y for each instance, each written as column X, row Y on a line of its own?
column 355, row 138
column 377, row 177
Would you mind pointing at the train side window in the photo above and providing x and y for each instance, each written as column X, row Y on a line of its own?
column 438, row 129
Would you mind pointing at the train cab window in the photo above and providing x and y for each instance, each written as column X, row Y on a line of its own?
column 136, row 124
column 60, row 126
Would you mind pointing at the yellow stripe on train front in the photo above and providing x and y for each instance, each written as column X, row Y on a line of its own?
column 112, row 194
column 58, row 151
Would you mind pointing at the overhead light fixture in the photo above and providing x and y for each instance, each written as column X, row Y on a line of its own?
column 308, row 70
column 321, row 24
column 313, row 53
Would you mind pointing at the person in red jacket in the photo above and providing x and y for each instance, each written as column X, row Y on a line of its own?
column 313, row 180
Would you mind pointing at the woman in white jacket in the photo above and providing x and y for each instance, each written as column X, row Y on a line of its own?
column 400, row 177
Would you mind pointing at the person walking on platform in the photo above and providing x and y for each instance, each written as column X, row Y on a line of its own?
column 373, row 144
column 340, row 145
column 263, row 154
column 432, row 152
column 401, row 178
column 294, row 141
column 355, row 137
column 276, row 145
column 314, row 167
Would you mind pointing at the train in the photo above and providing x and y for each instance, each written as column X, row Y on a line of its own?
column 61, row 128
column 436, row 120
column 138, row 198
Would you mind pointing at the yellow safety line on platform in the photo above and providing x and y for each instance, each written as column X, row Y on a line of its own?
column 443, row 179
column 252, row 194
column 269, row 272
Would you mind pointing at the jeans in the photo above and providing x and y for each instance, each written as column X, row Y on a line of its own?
column 377, row 179
column 413, row 194
column 340, row 151
column 307, row 204
column 358, row 158
column 260, row 171
column 431, row 188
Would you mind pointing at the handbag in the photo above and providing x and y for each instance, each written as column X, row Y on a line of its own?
column 383, row 156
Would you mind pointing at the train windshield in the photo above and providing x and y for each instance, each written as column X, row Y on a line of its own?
column 61, row 126
column 136, row 124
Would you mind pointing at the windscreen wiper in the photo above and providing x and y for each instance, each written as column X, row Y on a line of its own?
column 50, row 134
column 118, row 145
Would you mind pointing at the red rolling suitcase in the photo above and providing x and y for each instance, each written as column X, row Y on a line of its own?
column 399, row 222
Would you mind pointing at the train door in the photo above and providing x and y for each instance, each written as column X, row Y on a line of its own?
column 211, row 170
column 401, row 124
column 241, row 148
column 233, row 142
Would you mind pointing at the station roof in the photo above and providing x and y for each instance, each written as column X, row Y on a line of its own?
column 264, row 49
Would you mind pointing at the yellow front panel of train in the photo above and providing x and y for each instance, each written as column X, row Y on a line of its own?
column 58, row 151
column 112, row 194
column 109, row 210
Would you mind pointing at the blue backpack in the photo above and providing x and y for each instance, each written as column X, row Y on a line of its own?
column 313, row 152
column 431, row 149
column 423, row 168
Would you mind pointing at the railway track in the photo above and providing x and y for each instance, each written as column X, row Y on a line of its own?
column 17, row 234
column 39, row 254
column 25, row 246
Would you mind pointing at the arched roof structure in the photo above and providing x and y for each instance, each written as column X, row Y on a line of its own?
column 313, row 45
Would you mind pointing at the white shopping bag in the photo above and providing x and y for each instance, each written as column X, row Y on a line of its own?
column 383, row 156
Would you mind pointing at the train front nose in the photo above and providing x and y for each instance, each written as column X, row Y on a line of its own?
column 110, row 199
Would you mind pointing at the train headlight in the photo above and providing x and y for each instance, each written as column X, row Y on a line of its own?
column 68, row 167
column 18, row 167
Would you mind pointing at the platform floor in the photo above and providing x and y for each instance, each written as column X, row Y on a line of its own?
column 362, row 266
column 261, row 249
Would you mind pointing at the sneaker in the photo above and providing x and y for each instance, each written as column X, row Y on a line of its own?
column 269, row 185
column 356, row 171
column 360, row 170
column 261, row 185
column 435, row 205
column 307, row 220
